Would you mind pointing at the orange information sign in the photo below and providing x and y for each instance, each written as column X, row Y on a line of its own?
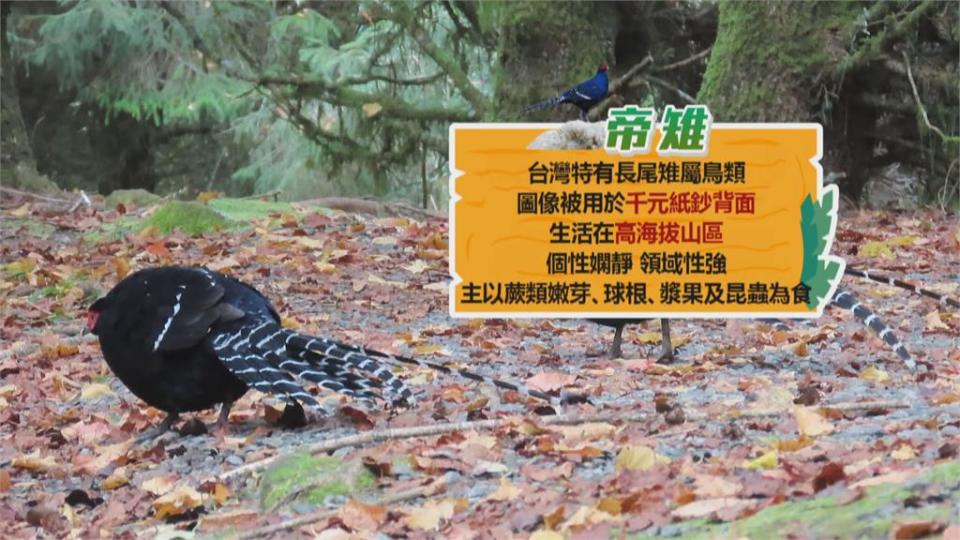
column 742, row 230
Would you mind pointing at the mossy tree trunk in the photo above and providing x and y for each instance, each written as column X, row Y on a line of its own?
column 16, row 145
column 767, row 57
column 543, row 48
column 841, row 64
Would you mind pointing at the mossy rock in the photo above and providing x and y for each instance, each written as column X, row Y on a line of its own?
column 26, row 178
column 872, row 516
column 190, row 217
column 131, row 198
column 248, row 209
column 30, row 227
column 312, row 479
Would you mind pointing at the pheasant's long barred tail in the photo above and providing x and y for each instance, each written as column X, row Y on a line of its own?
column 265, row 357
column 470, row 375
column 316, row 350
column 847, row 301
column 887, row 280
column 556, row 100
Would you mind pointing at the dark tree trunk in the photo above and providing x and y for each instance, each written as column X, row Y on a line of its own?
column 15, row 150
column 543, row 49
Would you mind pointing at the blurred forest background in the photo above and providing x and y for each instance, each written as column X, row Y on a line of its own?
column 319, row 98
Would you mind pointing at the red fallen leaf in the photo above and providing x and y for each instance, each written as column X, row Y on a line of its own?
column 47, row 517
column 550, row 381
column 850, row 495
column 316, row 221
column 236, row 520
column 121, row 266
column 830, row 474
column 947, row 451
column 916, row 529
column 451, row 439
column 158, row 249
column 952, row 533
column 359, row 418
column 219, row 491
column 540, row 474
column 359, row 516
column 378, row 467
column 637, row 365
column 438, row 465
column 5, row 481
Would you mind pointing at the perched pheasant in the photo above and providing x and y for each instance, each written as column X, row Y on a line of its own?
column 186, row 339
column 584, row 95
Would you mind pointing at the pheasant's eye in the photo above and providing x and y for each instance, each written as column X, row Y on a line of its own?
column 92, row 317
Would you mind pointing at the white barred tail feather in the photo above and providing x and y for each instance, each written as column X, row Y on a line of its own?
column 271, row 354
column 345, row 348
column 846, row 300
column 943, row 299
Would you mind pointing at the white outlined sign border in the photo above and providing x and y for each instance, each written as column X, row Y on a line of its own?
column 821, row 193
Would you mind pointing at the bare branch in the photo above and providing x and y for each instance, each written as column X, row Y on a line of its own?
column 619, row 83
column 630, row 74
column 916, row 97
column 368, row 437
column 685, row 61
column 676, row 90
column 874, row 46
column 432, row 488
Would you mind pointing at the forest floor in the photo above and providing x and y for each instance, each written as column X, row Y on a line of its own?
column 755, row 432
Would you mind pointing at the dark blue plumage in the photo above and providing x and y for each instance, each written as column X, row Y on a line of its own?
column 584, row 95
column 185, row 339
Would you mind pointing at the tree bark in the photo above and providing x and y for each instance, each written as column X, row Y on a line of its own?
column 15, row 150
column 543, row 49
column 767, row 56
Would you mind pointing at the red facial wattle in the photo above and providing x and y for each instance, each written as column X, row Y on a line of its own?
column 92, row 317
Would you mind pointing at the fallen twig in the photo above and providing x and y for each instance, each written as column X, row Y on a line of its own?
column 33, row 195
column 82, row 199
column 286, row 525
column 275, row 194
column 557, row 420
column 375, row 208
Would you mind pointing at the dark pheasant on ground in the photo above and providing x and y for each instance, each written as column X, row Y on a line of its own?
column 186, row 339
column 616, row 351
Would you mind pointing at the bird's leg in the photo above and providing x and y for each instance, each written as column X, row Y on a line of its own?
column 666, row 346
column 160, row 429
column 223, row 420
column 224, row 417
column 615, row 351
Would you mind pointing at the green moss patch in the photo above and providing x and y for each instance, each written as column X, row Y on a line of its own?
column 311, row 479
column 25, row 177
column 248, row 209
column 30, row 227
column 190, row 217
column 131, row 198
column 872, row 516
